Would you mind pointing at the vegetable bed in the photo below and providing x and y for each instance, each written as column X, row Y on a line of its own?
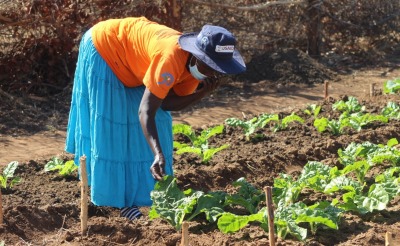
column 44, row 207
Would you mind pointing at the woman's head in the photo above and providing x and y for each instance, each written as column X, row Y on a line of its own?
column 214, row 50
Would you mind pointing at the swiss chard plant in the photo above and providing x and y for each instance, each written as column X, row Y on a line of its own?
column 359, row 120
column 312, row 110
column 391, row 86
column 355, row 121
column 251, row 126
column 247, row 196
column 175, row 206
column 391, row 110
column 335, row 127
column 284, row 123
column 172, row 204
column 350, row 106
column 64, row 168
column 199, row 143
column 7, row 179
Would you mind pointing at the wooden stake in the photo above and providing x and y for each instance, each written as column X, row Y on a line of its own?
column 1, row 208
column 271, row 228
column 372, row 90
column 326, row 86
column 388, row 239
column 185, row 234
column 84, row 194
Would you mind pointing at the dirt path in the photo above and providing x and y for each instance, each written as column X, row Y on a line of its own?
column 232, row 101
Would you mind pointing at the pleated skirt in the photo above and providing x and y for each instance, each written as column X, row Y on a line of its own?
column 104, row 126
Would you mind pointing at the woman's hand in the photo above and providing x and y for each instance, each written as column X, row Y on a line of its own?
column 157, row 169
column 208, row 85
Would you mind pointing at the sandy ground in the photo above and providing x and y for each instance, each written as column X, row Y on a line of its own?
column 216, row 109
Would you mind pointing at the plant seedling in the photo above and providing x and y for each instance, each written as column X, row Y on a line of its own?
column 56, row 164
column 8, row 173
column 199, row 143
column 391, row 86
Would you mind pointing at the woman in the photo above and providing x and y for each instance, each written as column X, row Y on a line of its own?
column 130, row 73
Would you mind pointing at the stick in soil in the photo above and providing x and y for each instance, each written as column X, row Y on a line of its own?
column 270, row 209
column 1, row 208
column 326, row 86
column 388, row 239
column 185, row 234
column 372, row 90
column 84, row 194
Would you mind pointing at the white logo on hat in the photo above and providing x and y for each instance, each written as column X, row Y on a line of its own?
column 225, row 48
column 204, row 41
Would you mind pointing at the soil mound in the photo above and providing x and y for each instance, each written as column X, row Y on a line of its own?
column 286, row 66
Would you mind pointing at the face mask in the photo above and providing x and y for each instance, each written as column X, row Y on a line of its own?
column 195, row 72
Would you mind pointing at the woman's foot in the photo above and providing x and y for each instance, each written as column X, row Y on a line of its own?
column 131, row 213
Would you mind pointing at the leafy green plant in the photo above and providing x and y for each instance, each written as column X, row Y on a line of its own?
column 248, row 196
column 350, row 106
column 335, row 127
column 252, row 125
column 8, row 173
column 391, row 86
column 313, row 109
column 57, row 164
column 229, row 222
column 172, row 204
column 359, row 120
column 283, row 124
column 391, row 110
column 199, row 143
column 355, row 121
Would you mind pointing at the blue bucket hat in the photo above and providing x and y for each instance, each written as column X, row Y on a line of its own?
column 215, row 46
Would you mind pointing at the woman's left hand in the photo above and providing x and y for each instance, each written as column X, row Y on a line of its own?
column 209, row 85
column 157, row 168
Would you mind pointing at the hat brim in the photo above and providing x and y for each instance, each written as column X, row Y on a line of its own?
column 235, row 65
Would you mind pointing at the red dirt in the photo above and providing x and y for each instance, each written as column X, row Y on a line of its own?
column 44, row 209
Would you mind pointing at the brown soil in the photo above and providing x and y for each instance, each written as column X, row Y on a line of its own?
column 44, row 209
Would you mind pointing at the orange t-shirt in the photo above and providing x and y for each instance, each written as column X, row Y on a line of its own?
column 142, row 52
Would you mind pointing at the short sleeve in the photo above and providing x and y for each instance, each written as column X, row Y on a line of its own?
column 161, row 75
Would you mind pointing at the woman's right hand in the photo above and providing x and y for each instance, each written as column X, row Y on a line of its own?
column 157, row 169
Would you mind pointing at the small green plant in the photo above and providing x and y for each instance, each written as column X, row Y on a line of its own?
column 392, row 111
column 199, row 144
column 283, row 124
column 350, row 106
column 57, row 164
column 252, row 125
column 313, row 109
column 8, row 173
column 391, row 86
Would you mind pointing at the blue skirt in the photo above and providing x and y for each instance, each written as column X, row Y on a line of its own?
column 104, row 126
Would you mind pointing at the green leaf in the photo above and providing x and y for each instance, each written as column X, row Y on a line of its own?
column 3, row 182
column 209, row 153
column 170, row 203
column 315, row 175
column 8, row 172
column 285, row 223
column 211, row 204
column 54, row 164
column 228, row 222
column 185, row 130
column 377, row 198
column 391, row 86
column 342, row 183
column 68, row 168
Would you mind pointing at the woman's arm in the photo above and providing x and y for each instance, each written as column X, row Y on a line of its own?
column 174, row 102
column 147, row 112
